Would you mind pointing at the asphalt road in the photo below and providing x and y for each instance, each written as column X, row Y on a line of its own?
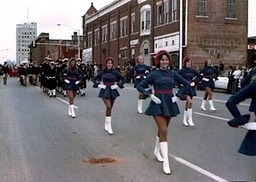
column 39, row 142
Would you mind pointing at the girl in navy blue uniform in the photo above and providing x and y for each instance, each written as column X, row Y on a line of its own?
column 190, row 75
column 139, row 73
column 209, row 74
column 163, row 104
column 248, row 146
column 111, row 79
column 71, row 76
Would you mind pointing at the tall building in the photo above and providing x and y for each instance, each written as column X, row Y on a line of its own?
column 25, row 34
column 202, row 29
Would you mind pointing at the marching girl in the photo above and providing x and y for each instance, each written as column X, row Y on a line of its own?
column 111, row 79
column 190, row 75
column 209, row 74
column 139, row 72
column 247, row 121
column 71, row 76
column 163, row 104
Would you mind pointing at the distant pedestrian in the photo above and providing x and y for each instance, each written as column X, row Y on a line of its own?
column 209, row 74
column 163, row 105
column 236, row 75
column 71, row 76
column 108, row 80
column 230, row 79
column 6, row 71
column 1, row 73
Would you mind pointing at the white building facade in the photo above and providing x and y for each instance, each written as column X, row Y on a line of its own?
column 25, row 34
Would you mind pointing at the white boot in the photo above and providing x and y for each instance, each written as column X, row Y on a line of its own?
column 203, row 105
column 157, row 151
column 140, row 103
column 82, row 92
column 50, row 93
column 212, row 108
column 54, row 92
column 69, row 110
column 107, row 118
column 73, row 115
column 185, row 117
column 109, row 127
column 164, row 150
column 64, row 93
column 190, row 120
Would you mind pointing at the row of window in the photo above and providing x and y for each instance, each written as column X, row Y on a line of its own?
column 162, row 17
column 145, row 23
column 231, row 8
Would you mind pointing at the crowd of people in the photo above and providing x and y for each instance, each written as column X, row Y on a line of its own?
column 70, row 77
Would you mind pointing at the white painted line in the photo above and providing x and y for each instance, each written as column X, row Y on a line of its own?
column 211, row 116
column 62, row 100
column 199, row 169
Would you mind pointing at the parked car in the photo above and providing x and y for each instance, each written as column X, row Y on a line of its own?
column 222, row 81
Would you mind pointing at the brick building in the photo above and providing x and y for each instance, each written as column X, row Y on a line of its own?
column 56, row 49
column 209, row 29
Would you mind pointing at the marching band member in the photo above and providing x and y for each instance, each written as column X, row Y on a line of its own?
column 209, row 74
column 163, row 104
column 51, row 76
column 139, row 72
column 71, row 76
column 247, row 121
column 83, row 84
column 108, row 89
column 190, row 75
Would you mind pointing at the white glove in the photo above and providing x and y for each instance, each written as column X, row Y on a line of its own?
column 192, row 84
column 137, row 77
column 206, row 79
column 155, row 99
column 249, row 126
column 174, row 99
column 113, row 87
column 102, row 86
column 67, row 81
column 77, row 82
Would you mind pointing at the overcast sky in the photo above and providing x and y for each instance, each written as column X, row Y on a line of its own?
column 49, row 13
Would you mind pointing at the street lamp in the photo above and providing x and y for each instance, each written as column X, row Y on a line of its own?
column 78, row 39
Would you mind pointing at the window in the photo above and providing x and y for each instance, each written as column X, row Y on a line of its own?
column 113, row 30
column 145, row 14
column 133, row 23
column 123, row 52
column 202, row 7
column 231, row 9
column 96, row 36
column 123, row 27
column 159, row 13
column 166, row 11
column 89, row 39
column 104, row 33
column 174, row 10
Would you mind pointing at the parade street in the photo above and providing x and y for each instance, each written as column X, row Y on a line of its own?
column 39, row 142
